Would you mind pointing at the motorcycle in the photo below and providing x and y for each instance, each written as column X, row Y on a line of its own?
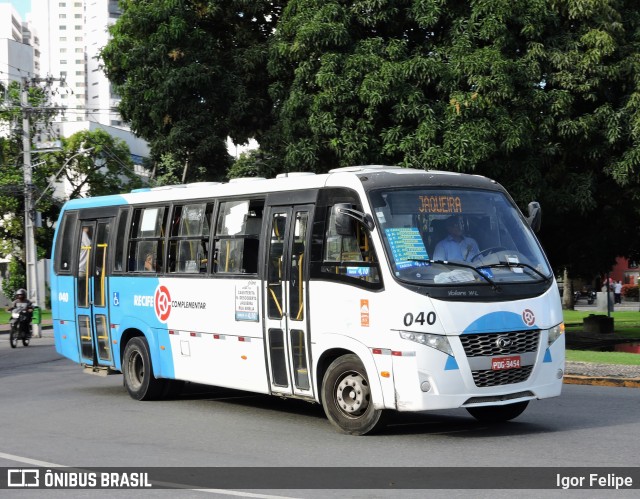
column 591, row 297
column 20, row 328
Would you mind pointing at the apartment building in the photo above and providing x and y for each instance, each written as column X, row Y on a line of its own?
column 16, row 52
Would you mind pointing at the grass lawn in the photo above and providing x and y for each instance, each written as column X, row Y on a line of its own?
column 5, row 316
column 629, row 359
column 626, row 324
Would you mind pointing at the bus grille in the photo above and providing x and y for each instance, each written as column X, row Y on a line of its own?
column 497, row 378
column 493, row 344
column 483, row 345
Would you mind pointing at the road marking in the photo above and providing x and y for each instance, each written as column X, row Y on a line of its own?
column 44, row 464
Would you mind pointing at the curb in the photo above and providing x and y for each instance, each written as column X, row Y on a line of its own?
column 572, row 379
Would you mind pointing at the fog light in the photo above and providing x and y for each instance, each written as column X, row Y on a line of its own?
column 560, row 374
column 425, row 386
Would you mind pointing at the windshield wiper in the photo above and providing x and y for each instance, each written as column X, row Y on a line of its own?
column 463, row 265
column 519, row 265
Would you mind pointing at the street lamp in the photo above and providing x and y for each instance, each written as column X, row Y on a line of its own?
column 55, row 177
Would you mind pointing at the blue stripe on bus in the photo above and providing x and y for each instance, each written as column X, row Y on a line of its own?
column 451, row 364
column 497, row 322
column 80, row 203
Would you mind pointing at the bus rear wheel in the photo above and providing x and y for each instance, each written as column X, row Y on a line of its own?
column 138, row 373
column 346, row 397
column 498, row 413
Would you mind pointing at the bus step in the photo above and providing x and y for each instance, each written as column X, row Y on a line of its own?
column 99, row 370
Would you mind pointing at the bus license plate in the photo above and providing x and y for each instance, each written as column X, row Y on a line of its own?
column 500, row 363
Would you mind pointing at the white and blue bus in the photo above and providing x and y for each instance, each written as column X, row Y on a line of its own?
column 366, row 289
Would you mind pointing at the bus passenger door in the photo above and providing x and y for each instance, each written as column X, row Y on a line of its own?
column 286, row 309
column 92, row 307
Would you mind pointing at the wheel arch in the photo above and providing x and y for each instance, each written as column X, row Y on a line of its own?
column 134, row 328
column 349, row 346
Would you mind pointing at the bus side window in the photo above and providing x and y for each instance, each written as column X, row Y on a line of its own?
column 147, row 239
column 65, row 244
column 189, row 238
column 349, row 257
column 237, row 237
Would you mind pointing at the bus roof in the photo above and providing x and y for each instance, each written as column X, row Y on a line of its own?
column 368, row 177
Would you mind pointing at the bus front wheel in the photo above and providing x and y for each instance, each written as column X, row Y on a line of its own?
column 137, row 371
column 498, row 413
column 346, row 397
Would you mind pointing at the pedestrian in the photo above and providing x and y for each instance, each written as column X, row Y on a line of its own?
column 617, row 291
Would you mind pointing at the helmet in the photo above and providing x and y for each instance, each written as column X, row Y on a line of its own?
column 21, row 292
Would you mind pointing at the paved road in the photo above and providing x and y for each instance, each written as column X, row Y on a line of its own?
column 63, row 417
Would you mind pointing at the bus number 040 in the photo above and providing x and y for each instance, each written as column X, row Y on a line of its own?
column 409, row 319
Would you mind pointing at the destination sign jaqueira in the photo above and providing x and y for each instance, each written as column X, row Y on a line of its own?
column 440, row 204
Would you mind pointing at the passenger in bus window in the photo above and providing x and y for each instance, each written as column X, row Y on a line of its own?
column 85, row 248
column 149, row 263
column 456, row 246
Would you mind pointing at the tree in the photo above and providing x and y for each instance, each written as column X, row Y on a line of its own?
column 12, row 187
column 253, row 163
column 191, row 73
column 540, row 95
column 96, row 164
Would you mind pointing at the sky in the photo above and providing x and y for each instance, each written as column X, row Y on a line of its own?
column 22, row 6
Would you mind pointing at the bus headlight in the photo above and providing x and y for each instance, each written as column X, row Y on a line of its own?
column 436, row 341
column 555, row 332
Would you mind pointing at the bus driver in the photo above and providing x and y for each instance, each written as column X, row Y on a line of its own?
column 455, row 246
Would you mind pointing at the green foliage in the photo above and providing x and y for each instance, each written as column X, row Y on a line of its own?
column 95, row 164
column 253, row 163
column 190, row 73
column 541, row 95
column 16, row 278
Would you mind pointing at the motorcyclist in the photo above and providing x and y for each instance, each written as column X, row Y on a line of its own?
column 21, row 303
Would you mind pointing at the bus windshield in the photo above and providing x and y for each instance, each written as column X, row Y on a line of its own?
column 440, row 236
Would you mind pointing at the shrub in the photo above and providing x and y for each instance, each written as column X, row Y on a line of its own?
column 630, row 291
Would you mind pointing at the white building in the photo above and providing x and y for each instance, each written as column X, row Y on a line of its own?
column 16, row 56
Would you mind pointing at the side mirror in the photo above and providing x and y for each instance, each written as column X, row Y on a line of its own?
column 344, row 222
column 535, row 216
column 344, row 217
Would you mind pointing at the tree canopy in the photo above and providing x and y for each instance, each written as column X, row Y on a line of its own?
column 190, row 73
column 541, row 95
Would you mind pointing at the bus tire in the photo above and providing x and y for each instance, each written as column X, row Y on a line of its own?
column 346, row 397
column 498, row 413
column 138, row 373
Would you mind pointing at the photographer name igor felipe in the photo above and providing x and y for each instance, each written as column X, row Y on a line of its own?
column 594, row 481
column 58, row 479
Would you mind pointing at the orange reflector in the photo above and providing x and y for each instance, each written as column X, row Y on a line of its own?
column 243, row 357
column 216, row 336
column 64, row 336
column 396, row 353
column 385, row 374
column 192, row 334
column 171, row 331
column 113, row 326
column 61, row 322
column 115, row 342
column 240, row 338
column 377, row 351
column 161, row 347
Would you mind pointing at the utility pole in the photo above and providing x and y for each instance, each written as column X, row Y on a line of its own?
column 31, row 253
